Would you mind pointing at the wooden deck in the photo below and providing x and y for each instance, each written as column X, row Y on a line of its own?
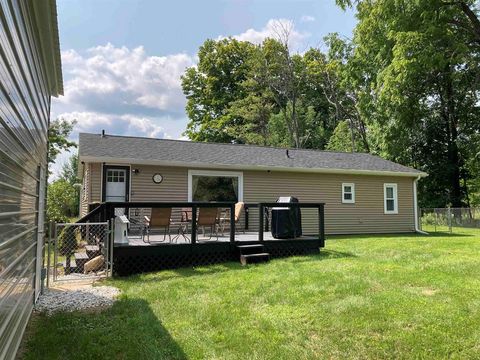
column 139, row 257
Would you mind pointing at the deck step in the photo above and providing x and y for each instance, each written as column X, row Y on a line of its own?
column 250, row 249
column 92, row 251
column 254, row 258
column 81, row 259
column 73, row 267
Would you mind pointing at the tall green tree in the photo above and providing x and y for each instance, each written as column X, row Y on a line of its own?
column 212, row 85
column 422, row 71
column 69, row 173
column 58, row 138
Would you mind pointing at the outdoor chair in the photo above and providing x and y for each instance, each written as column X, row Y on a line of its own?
column 182, row 225
column 160, row 219
column 207, row 217
column 224, row 220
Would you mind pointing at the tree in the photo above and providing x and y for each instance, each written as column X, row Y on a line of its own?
column 58, row 133
column 282, row 73
column 212, row 86
column 62, row 201
column 422, row 73
column 69, row 173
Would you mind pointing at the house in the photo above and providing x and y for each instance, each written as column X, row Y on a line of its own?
column 362, row 193
column 30, row 76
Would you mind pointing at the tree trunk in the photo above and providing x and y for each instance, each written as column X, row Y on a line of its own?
column 452, row 147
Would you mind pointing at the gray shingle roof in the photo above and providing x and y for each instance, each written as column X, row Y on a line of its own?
column 177, row 152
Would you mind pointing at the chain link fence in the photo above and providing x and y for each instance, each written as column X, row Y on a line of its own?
column 79, row 251
column 447, row 219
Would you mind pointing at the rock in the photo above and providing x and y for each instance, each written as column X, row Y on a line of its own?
column 93, row 265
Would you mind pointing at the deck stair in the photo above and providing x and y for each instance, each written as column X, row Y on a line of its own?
column 80, row 259
column 73, row 267
column 250, row 254
column 92, row 251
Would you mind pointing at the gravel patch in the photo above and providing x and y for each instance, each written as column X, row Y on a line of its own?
column 72, row 300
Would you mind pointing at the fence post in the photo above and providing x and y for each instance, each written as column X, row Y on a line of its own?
column 260, row 221
column 449, row 214
column 321, row 225
column 194, row 224
column 232, row 222
column 49, row 249
column 111, row 225
column 55, row 252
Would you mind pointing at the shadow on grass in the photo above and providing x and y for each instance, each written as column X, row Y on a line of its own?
column 128, row 330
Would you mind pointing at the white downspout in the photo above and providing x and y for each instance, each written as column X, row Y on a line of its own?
column 415, row 207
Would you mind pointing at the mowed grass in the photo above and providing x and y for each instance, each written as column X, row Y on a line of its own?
column 396, row 296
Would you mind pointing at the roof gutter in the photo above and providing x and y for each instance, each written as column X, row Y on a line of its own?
column 45, row 13
column 115, row 160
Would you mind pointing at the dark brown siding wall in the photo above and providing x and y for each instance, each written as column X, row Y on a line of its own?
column 24, row 114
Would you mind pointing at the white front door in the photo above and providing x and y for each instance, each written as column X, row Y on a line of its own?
column 116, row 185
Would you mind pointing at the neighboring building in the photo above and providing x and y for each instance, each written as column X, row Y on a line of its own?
column 362, row 193
column 30, row 73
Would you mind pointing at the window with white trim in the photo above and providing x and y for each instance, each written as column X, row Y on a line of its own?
column 348, row 193
column 210, row 185
column 390, row 198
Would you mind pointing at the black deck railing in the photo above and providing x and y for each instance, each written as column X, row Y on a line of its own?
column 106, row 211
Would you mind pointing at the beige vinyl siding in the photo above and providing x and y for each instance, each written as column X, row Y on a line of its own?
column 172, row 188
column 95, row 182
column 366, row 215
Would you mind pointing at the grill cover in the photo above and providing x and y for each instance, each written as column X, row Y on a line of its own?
column 286, row 221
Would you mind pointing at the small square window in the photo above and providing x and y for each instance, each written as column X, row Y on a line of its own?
column 348, row 193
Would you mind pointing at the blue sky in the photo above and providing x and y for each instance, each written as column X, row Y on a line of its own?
column 122, row 59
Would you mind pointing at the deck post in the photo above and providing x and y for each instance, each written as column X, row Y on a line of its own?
column 232, row 222
column 260, row 221
column 194, row 224
column 321, row 225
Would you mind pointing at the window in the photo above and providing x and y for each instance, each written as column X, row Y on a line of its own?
column 115, row 175
column 348, row 193
column 390, row 199
column 206, row 185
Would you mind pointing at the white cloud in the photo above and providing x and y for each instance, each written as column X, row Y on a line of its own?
column 307, row 18
column 124, row 80
column 124, row 91
column 115, row 124
column 275, row 28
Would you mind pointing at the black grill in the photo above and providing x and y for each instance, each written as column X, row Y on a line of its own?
column 286, row 221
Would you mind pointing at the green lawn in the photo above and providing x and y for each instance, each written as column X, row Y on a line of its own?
column 362, row 297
